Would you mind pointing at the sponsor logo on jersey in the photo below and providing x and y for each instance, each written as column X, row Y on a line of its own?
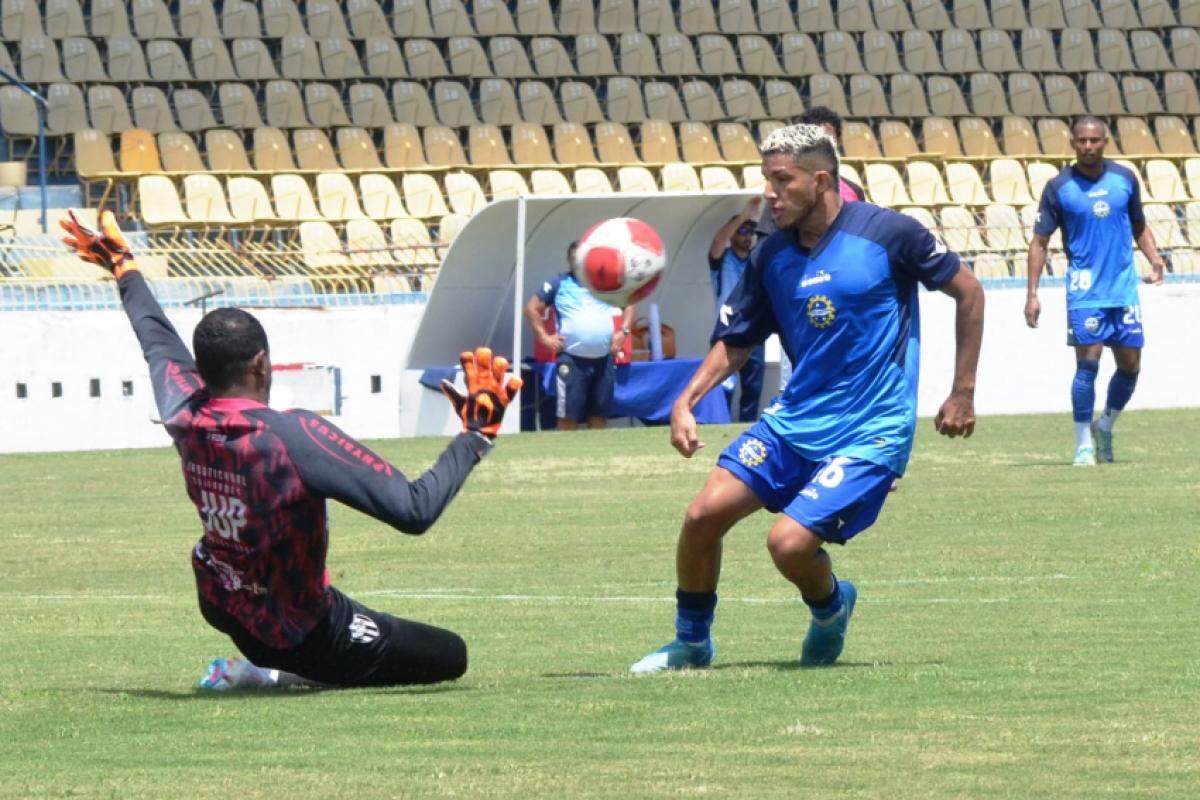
column 1098, row 193
column 810, row 493
column 1100, row 209
column 821, row 277
column 820, row 310
column 363, row 629
column 752, row 453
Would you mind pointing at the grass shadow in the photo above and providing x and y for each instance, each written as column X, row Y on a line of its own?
column 276, row 694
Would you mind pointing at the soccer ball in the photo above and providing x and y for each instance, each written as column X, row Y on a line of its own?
column 620, row 260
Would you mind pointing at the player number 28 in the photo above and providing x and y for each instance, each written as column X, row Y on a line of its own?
column 1133, row 315
column 1080, row 280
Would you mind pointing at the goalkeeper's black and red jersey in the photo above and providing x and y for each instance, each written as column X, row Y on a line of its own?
column 259, row 479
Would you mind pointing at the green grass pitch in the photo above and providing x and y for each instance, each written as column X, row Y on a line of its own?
column 1025, row 630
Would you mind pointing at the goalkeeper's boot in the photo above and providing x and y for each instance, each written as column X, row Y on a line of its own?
column 827, row 637
column 225, row 674
column 676, row 655
column 1103, row 441
column 1085, row 456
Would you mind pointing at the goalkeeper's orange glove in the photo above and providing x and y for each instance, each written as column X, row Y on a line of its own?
column 488, row 392
column 105, row 248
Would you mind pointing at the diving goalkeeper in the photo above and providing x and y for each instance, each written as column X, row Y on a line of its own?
column 259, row 480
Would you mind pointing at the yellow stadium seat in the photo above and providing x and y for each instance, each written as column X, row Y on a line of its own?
column 424, row 59
column 579, row 103
column 637, row 55
column 593, row 55
column 336, row 197
column 366, row 19
column 576, row 17
column 93, row 155
column 550, row 59
column 799, row 55
column 959, row 53
column 908, row 95
column 1112, row 51
column 509, row 58
column 897, row 139
column 752, row 178
column 854, row 15
column 658, row 143
column 971, row 15
column 530, row 145
column 965, row 185
column 858, row 141
column 718, row 179
column 1167, row 232
column 537, row 103
column 925, row 185
column 1149, row 52
column 535, row 18
column 159, row 202
column 757, row 57
column 1103, row 95
column 402, row 148
column 498, row 102
column 109, row 18
column 548, row 181
column 849, row 173
column 1037, row 51
column 1008, row 15
column 411, row 104
column 64, row 18
column 506, row 183
column 166, row 62
column 239, row 19
column 356, row 150
column 1019, row 137
column 107, row 109
column 1119, row 14
column 923, row 216
column 281, row 19
column 321, row 247
column 324, row 105
column 736, row 16
column 1055, row 137
column 453, row 105
column 411, row 18
column 299, row 60
column 151, row 20
column 977, row 138
column 1191, row 213
column 1157, row 13
column 413, row 247
column 615, row 144
column 443, row 148
column 272, row 152
column 382, row 58
column 325, row 21
column 697, row 143
column 284, row 106
column 939, row 136
column 990, row 265
column 656, row 17
column 179, row 153
column 1077, row 54
column 1007, row 178
column 225, row 152
column 339, row 59
column 450, row 226
column 293, row 199
column 615, row 17
column 1173, row 136
column 485, row 145
column 380, row 197
column 1135, row 137
column 892, row 16
column 624, row 101
column 81, row 61
column 736, row 142
column 204, row 198
column 1185, row 47
column 885, row 186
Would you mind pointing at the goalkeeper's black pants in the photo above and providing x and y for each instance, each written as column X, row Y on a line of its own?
column 355, row 646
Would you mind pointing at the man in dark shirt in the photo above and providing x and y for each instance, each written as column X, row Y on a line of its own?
column 259, row 480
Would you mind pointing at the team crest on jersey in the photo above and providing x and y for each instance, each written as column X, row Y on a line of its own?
column 363, row 629
column 1100, row 209
column 820, row 311
column 752, row 453
column 564, row 370
column 1092, row 324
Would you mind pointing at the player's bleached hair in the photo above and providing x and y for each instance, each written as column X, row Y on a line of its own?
column 799, row 141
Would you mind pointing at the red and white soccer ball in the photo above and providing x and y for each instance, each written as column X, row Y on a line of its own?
column 620, row 260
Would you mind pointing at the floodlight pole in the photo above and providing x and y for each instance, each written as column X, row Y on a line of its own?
column 43, row 109
column 519, row 291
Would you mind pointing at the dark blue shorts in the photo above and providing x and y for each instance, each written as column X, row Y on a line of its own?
column 835, row 498
column 584, row 386
column 1117, row 327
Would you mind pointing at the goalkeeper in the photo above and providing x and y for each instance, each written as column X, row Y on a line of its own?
column 259, row 480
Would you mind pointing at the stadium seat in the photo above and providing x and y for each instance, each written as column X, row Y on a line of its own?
column 537, row 103
column 410, row 18
column 849, row 173
column 1019, row 138
column 965, row 185
column 656, row 17
column 945, row 97
column 453, row 105
column 411, row 104
column 939, row 136
column 826, row 90
column 579, row 103
column 505, row 183
column 958, row 52
column 337, row 198
column 509, row 59
column 1081, row 14
column 1037, row 51
column 697, row 143
column 988, row 96
column 624, row 101
column 211, row 61
column 150, row 110
column 1008, row 15
column 498, row 102
column 676, row 55
column 1062, row 97
column 239, row 20
column 866, row 97
column 251, row 60
column 535, row 18
column 249, row 203
column 840, row 51
column 1040, row 173
column 449, row 227
column 1055, row 137
column 324, row 106
column 271, row 150
column 977, row 138
column 736, row 142
column 858, row 141
column 757, row 57
column 572, row 144
column 736, row 16
column 450, row 18
column 925, row 185
column 204, row 200
column 368, row 106
column 775, row 16
column 1179, row 94
column 1076, row 51
column 1149, row 52
column 615, row 144
column 107, row 109
column 1008, row 182
column 485, row 146
column 593, row 56
column 923, row 216
column 530, row 145
column 550, row 59
column 64, row 18
column 1140, row 96
column 339, row 59
column 39, row 60
column 907, row 94
column 990, row 266
column 658, row 143
column 402, row 148
column 783, row 100
column 281, row 18
column 424, row 60
column 1135, row 137
column 885, row 187
column 637, row 56
column 971, row 15
column 109, row 18
column 93, row 155
column 921, row 55
column 815, row 15
column 548, row 181
column 293, row 199
column 896, row 138
column 1156, row 13
column 324, row 20
column 159, row 203
column 752, row 177
column 996, row 53
column 81, row 61
column 576, row 17
column 151, row 20
column 467, row 59
column 321, row 248
column 592, row 181
column 1192, row 220
column 716, row 56
column 892, row 16
column 443, row 148
column 1112, row 51
column 1185, row 48
column 411, row 243
column 615, row 17
column 1003, row 231
column 367, row 245
column 356, row 150
column 702, row 103
column 65, row 111
column 879, row 54
column 382, row 58
column 1173, row 136
column 960, row 230
column 284, row 106
column 1119, row 14
column 1164, row 183
column 1025, row 95
column 679, row 177
column 1167, row 232
column 930, row 15
column 380, row 197
column 854, row 15
column 366, row 19
column 1103, row 95
column 225, row 152
column 799, row 55
column 662, row 101
column 166, row 62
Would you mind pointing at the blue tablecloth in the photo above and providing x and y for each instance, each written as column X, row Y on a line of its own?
column 645, row 389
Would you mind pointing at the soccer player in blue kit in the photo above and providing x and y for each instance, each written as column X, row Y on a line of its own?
column 1098, row 205
column 838, row 283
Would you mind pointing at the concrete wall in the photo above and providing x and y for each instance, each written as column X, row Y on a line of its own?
column 1022, row 370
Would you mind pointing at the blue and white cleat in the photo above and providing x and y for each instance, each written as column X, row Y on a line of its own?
column 826, row 638
column 1103, row 439
column 1085, row 457
column 676, row 655
column 226, row 674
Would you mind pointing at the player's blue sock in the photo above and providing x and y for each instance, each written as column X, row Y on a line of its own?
column 826, row 608
column 1083, row 390
column 694, row 615
column 1120, row 389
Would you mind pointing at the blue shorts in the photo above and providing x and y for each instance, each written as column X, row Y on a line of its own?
column 584, row 386
column 834, row 498
column 1117, row 327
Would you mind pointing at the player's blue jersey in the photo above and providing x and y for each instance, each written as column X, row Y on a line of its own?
column 1097, row 218
column 583, row 321
column 846, row 313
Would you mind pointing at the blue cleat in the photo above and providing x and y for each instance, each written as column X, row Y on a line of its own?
column 676, row 655
column 228, row 674
column 825, row 639
column 218, row 676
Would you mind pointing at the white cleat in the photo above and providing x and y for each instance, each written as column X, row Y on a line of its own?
column 1085, row 456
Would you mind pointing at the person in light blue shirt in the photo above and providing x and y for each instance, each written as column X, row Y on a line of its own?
column 1098, row 206
column 838, row 282
column 727, row 258
column 585, row 344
